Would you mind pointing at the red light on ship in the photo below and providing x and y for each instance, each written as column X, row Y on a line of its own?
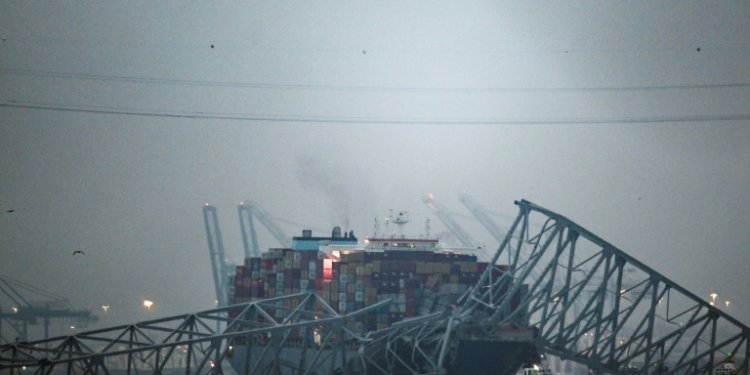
column 327, row 269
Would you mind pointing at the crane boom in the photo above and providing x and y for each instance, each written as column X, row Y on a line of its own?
column 265, row 219
column 216, row 252
column 463, row 237
column 481, row 216
column 247, row 227
column 28, row 309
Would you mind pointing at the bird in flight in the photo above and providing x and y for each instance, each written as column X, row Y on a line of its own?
column 9, row 211
column 78, row 252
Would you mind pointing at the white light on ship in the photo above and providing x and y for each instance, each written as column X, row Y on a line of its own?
column 105, row 308
column 147, row 303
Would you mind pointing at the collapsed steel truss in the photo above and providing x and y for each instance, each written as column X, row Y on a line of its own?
column 588, row 302
column 596, row 305
column 190, row 344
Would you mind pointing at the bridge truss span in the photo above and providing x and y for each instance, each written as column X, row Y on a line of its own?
column 552, row 286
column 594, row 304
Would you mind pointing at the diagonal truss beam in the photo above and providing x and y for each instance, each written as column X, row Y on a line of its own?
column 595, row 304
column 587, row 301
column 187, row 343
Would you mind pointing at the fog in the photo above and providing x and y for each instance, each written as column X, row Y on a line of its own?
column 118, row 121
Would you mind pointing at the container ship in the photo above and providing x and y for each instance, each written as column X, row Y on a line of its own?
column 417, row 276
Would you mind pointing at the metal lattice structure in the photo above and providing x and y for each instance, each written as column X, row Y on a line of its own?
column 248, row 210
column 34, row 306
column 219, row 267
column 190, row 344
column 594, row 304
column 586, row 300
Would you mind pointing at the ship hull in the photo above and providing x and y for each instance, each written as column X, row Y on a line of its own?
column 477, row 357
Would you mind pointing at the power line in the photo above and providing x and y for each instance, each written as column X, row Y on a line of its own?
column 313, row 87
column 370, row 120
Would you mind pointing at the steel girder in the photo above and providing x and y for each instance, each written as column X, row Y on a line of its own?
column 589, row 302
column 190, row 344
column 596, row 305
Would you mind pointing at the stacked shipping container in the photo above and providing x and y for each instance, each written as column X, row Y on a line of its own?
column 416, row 282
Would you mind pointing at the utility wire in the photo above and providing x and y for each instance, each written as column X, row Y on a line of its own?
column 371, row 120
column 311, row 87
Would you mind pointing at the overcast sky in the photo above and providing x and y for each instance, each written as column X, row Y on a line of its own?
column 118, row 120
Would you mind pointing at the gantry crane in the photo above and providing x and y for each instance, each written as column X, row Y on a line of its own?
column 219, row 266
column 481, row 215
column 247, row 211
column 222, row 271
column 31, row 304
column 463, row 237
column 653, row 327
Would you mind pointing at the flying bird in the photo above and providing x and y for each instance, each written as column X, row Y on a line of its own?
column 9, row 211
column 78, row 252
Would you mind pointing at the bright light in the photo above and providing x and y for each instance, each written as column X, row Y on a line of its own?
column 105, row 308
column 536, row 367
column 327, row 269
column 211, row 363
column 726, row 303
column 23, row 368
column 147, row 303
column 15, row 309
column 72, row 327
column 713, row 296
